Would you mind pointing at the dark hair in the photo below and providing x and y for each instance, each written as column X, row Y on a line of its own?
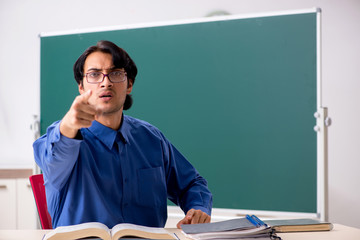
column 120, row 60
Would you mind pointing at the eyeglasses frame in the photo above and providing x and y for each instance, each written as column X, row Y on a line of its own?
column 105, row 75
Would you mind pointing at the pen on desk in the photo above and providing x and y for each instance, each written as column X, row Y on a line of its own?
column 252, row 221
column 258, row 221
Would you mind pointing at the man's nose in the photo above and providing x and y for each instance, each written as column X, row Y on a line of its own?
column 106, row 82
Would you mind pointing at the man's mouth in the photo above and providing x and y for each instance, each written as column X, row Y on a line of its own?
column 106, row 95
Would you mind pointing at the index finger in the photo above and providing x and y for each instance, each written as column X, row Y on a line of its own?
column 190, row 214
column 85, row 96
column 81, row 103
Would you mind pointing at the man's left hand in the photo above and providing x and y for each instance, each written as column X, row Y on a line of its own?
column 194, row 216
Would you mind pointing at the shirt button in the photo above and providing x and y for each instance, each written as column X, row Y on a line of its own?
column 125, row 180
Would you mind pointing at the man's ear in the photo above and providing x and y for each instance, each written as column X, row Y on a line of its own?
column 81, row 88
column 129, row 86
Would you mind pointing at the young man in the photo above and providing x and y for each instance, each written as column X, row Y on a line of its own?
column 101, row 165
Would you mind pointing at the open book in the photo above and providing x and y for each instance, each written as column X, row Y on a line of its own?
column 99, row 230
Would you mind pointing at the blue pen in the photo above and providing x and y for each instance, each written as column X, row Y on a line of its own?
column 252, row 221
column 261, row 223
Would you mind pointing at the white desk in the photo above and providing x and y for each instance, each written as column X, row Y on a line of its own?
column 340, row 232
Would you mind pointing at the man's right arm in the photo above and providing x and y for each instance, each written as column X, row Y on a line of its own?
column 57, row 151
column 56, row 155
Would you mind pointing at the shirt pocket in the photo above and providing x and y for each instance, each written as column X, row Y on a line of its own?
column 151, row 187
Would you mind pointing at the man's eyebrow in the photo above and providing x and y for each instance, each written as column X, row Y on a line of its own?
column 117, row 68
column 94, row 69
column 100, row 69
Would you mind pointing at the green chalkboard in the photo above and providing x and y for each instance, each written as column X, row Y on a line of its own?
column 235, row 96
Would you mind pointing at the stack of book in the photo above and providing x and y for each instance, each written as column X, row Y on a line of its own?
column 299, row 225
column 251, row 227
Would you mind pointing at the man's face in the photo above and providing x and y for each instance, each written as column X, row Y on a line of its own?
column 107, row 97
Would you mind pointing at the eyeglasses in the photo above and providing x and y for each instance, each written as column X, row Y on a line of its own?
column 98, row 77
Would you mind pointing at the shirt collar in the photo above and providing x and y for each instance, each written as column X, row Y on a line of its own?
column 124, row 129
column 107, row 135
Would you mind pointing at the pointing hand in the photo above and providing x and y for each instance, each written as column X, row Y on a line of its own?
column 80, row 115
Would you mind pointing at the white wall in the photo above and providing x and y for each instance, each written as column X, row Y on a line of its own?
column 22, row 20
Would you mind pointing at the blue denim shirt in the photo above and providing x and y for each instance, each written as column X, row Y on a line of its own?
column 117, row 176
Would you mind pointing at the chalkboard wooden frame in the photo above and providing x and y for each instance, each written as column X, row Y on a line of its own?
column 201, row 81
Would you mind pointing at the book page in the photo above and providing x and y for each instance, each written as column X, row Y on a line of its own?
column 127, row 229
column 79, row 231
